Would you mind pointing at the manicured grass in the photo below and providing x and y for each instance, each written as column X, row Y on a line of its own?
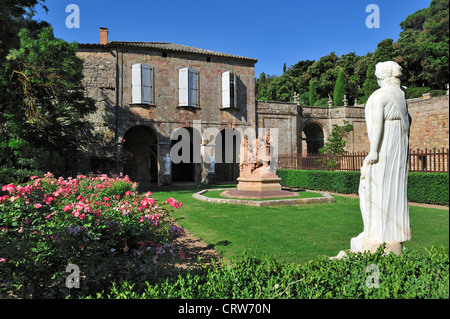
column 295, row 233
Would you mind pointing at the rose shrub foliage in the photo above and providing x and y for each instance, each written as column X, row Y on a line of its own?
column 98, row 223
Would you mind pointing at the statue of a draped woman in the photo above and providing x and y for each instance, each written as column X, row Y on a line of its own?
column 384, row 175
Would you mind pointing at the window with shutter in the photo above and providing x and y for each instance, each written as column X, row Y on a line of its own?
column 136, row 84
column 141, row 84
column 229, row 92
column 146, row 84
column 233, row 91
column 192, row 88
column 188, row 87
column 183, row 85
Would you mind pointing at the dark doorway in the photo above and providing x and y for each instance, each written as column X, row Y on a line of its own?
column 314, row 138
column 185, row 171
column 140, row 155
column 227, row 155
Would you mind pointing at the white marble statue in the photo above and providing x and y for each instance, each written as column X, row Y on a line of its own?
column 168, row 164
column 384, row 175
column 212, row 165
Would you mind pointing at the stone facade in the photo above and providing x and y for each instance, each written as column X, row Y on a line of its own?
column 304, row 129
column 136, row 138
column 430, row 118
column 303, row 126
column 108, row 79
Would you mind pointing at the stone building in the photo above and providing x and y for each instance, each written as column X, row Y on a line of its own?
column 309, row 127
column 145, row 91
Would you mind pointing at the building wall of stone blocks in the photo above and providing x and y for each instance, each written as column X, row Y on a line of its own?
column 430, row 123
column 292, row 121
column 429, row 128
column 166, row 111
column 108, row 81
column 357, row 140
column 284, row 118
column 100, row 85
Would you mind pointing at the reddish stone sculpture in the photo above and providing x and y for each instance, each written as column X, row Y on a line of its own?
column 257, row 178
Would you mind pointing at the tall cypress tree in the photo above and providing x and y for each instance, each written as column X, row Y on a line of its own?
column 312, row 92
column 262, row 87
column 385, row 52
column 339, row 89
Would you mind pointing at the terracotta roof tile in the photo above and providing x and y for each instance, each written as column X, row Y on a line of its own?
column 163, row 46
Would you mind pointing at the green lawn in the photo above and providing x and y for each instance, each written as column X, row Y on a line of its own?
column 295, row 233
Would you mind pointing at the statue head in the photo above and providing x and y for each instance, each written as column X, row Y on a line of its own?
column 388, row 73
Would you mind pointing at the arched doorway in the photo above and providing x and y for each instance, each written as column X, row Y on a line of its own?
column 140, row 155
column 312, row 136
column 227, row 145
column 186, row 170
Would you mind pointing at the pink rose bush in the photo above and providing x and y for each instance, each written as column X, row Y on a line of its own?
column 91, row 221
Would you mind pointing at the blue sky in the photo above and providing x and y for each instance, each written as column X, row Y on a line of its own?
column 274, row 32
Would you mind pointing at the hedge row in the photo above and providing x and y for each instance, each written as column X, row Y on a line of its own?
column 428, row 188
column 359, row 276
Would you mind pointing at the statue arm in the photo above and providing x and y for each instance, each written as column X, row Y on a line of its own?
column 377, row 128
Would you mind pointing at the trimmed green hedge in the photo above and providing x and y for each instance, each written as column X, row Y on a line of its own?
column 428, row 188
column 359, row 276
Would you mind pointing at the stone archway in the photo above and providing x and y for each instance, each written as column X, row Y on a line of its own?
column 312, row 139
column 189, row 170
column 140, row 155
column 227, row 155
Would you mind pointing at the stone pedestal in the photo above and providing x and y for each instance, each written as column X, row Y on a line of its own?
column 211, row 178
column 259, row 184
column 166, row 180
column 361, row 244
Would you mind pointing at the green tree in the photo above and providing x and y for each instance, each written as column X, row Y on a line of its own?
column 422, row 50
column 360, row 71
column 349, row 63
column 336, row 142
column 339, row 89
column 300, row 75
column 386, row 51
column 281, row 88
column 14, row 15
column 423, row 46
column 325, row 72
column 312, row 92
column 261, row 87
column 335, row 145
column 43, row 105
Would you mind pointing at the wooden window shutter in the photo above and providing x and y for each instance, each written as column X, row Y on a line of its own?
column 226, row 101
column 233, row 91
column 229, row 90
column 183, row 87
column 146, row 81
column 136, row 84
column 192, row 88
column 141, row 84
